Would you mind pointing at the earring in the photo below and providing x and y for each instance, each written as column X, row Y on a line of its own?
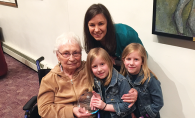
column 61, row 68
column 59, row 63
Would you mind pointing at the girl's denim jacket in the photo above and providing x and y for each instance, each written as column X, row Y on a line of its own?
column 150, row 98
column 114, row 91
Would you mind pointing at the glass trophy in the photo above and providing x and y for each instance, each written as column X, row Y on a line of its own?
column 84, row 102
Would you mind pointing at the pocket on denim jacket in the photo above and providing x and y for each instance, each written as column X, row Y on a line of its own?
column 114, row 91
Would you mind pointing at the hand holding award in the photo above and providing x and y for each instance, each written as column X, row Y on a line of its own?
column 84, row 103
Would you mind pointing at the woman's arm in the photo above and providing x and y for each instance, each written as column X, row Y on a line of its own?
column 45, row 101
column 130, row 97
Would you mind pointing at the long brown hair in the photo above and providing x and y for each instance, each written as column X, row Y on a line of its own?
column 94, row 53
column 110, row 40
column 141, row 50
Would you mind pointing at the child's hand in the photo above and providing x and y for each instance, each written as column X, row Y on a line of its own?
column 130, row 97
column 95, row 95
column 92, row 99
column 98, row 103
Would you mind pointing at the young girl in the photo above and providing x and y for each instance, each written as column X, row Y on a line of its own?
column 140, row 77
column 109, row 84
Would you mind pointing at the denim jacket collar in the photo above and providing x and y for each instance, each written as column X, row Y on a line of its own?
column 113, row 80
column 138, row 79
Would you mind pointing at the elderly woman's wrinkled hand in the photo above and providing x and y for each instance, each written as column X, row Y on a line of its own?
column 130, row 97
column 81, row 112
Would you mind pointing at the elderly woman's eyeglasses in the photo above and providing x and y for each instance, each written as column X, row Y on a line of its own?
column 67, row 54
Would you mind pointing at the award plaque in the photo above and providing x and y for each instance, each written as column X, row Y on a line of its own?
column 84, row 102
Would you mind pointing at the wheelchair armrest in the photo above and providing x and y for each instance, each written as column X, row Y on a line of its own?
column 29, row 105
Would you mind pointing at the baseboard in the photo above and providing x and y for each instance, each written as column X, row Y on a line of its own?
column 28, row 61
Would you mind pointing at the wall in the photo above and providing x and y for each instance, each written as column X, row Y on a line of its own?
column 33, row 26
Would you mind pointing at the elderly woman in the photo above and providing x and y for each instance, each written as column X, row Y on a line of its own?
column 61, row 87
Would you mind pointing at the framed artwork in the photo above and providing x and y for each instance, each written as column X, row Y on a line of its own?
column 12, row 3
column 174, row 18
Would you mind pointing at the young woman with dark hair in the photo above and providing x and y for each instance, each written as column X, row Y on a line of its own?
column 100, row 31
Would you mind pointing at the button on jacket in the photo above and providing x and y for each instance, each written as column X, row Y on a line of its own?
column 118, row 86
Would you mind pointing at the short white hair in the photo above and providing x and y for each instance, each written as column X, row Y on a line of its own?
column 65, row 38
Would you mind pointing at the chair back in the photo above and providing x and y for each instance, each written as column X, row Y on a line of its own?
column 42, row 73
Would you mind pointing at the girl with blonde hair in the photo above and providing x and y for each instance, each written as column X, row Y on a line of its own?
column 110, row 85
column 140, row 77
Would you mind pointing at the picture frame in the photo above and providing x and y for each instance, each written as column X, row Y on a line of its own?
column 12, row 3
column 174, row 19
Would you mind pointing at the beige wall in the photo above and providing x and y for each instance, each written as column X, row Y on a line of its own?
column 33, row 26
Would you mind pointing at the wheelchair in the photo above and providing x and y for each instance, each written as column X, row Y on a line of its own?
column 30, row 108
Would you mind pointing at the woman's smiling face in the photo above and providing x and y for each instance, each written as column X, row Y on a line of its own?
column 98, row 27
